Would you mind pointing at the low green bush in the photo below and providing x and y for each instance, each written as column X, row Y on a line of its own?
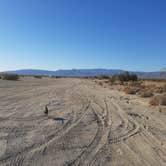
column 10, row 77
column 126, row 76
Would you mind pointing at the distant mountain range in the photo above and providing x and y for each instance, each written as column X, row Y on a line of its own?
column 86, row 72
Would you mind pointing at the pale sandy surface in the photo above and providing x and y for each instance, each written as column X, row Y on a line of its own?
column 101, row 126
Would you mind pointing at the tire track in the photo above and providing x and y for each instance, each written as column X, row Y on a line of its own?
column 127, row 121
column 37, row 148
column 100, row 139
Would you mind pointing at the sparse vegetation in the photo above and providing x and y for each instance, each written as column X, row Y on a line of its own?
column 136, row 84
column 164, row 87
column 126, row 76
column 131, row 90
column 103, row 77
column 158, row 100
column 146, row 93
column 100, row 83
column 159, row 90
column 156, row 88
column 10, row 77
column 39, row 77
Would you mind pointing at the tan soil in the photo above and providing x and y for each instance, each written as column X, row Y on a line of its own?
column 101, row 126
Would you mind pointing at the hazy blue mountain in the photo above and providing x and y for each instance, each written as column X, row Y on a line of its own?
column 85, row 72
column 31, row 72
column 73, row 72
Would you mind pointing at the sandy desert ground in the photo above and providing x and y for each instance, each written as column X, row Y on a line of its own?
column 86, row 125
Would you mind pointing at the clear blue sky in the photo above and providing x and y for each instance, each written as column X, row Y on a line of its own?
column 63, row 34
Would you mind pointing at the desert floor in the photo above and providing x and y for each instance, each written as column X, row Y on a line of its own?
column 87, row 124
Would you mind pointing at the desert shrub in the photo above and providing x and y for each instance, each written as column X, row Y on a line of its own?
column 133, row 77
column 56, row 76
column 103, row 77
column 164, row 88
column 126, row 76
column 113, row 79
column 146, row 93
column 136, row 84
column 163, row 100
column 10, row 77
column 160, row 89
column 131, row 90
column 106, row 81
column 158, row 100
column 100, row 83
column 39, row 77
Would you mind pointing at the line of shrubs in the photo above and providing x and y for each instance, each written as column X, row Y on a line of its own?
column 6, row 76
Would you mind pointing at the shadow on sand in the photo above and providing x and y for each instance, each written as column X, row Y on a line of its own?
column 59, row 119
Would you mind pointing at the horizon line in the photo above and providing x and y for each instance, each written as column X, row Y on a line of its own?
column 80, row 69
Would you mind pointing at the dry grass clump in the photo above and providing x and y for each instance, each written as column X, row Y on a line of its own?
column 134, row 87
column 158, row 100
column 157, row 83
column 146, row 93
column 164, row 88
column 107, row 81
column 161, row 89
column 100, row 83
column 136, row 84
column 131, row 90
column 158, row 90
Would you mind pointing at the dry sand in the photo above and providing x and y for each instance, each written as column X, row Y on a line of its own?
column 87, row 125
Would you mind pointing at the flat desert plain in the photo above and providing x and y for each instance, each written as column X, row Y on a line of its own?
column 86, row 124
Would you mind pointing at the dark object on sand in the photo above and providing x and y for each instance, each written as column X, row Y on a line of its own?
column 59, row 119
column 46, row 110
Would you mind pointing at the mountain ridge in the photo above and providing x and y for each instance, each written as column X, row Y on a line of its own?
column 86, row 72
